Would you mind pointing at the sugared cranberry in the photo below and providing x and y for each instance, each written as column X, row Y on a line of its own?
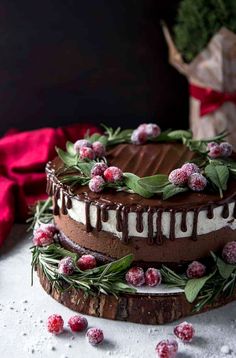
column 66, row 266
column 178, row 177
column 98, row 169
column 167, row 348
column 229, row 252
column 214, row 151
column 135, row 276
column 86, row 153
column 55, row 324
column 99, row 149
column 196, row 270
column 152, row 277
column 197, row 182
column 184, row 331
column 190, row 168
column 226, row 149
column 211, row 145
column 86, row 262
column 95, row 336
column 139, row 137
column 81, row 143
column 44, row 236
column 113, row 174
column 152, row 130
column 78, row 323
column 96, row 184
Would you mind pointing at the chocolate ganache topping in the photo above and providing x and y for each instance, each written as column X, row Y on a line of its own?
column 142, row 160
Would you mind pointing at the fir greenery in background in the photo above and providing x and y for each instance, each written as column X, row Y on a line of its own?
column 199, row 20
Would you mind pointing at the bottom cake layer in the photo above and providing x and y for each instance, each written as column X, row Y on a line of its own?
column 107, row 247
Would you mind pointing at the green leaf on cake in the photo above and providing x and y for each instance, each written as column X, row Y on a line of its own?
column 218, row 175
column 68, row 159
column 131, row 181
column 194, row 286
column 224, row 269
column 180, row 134
column 154, row 183
column 85, row 167
column 171, row 190
column 70, row 148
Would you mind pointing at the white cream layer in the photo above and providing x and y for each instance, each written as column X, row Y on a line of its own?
column 204, row 225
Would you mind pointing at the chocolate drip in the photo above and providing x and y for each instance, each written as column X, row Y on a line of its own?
column 225, row 211
column 119, row 219
column 99, row 221
column 150, row 226
column 104, row 213
column 63, row 203
column 210, row 212
column 195, row 221
column 172, row 225
column 139, row 220
column 183, row 225
column 87, row 216
column 125, row 229
column 159, row 236
column 234, row 211
column 56, row 209
column 69, row 202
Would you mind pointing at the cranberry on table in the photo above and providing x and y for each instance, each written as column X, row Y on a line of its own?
column 95, row 336
column 178, row 177
column 229, row 253
column 196, row 270
column 113, row 174
column 66, row 266
column 167, row 348
column 135, row 276
column 184, row 331
column 152, row 277
column 86, row 153
column 197, row 182
column 78, row 323
column 99, row 149
column 96, row 184
column 86, row 262
column 55, row 324
column 98, row 169
column 81, row 143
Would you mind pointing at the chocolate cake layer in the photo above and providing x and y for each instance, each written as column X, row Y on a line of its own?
column 178, row 251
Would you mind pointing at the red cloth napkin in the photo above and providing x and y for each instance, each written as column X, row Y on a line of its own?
column 23, row 156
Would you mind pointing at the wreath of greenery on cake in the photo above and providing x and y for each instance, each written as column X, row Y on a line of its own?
column 215, row 169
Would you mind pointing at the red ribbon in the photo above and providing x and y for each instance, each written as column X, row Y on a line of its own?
column 210, row 100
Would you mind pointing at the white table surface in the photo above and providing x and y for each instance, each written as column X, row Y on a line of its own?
column 24, row 310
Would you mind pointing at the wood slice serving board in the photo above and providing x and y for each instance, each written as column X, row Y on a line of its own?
column 146, row 307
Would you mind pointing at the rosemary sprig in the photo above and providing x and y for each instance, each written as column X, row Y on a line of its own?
column 107, row 279
column 40, row 213
column 117, row 136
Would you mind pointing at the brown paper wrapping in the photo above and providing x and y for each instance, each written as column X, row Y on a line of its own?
column 214, row 67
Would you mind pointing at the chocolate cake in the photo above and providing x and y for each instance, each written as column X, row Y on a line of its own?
column 115, row 221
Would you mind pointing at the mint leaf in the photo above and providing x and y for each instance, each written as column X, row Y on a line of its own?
column 194, row 286
column 70, row 148
column 131, row 181
column 171, row 190
column 85, row 168
column 218, row 175
column 154, row 183
column 68, row 159
column 180, row 134
column 94, row 137
column 225, row 269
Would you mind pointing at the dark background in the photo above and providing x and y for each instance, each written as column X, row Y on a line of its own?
column 96, row 61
